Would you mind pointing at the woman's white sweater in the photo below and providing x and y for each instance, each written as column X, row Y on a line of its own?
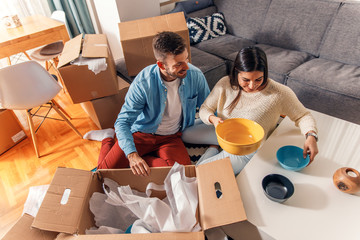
column 263, row 107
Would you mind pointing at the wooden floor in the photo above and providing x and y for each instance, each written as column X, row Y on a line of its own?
column 59, row 146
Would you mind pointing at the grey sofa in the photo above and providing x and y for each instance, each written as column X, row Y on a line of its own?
column 313, row 46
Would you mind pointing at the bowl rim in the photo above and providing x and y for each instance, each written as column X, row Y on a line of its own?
column 239, row 144
column 282, row 164
column 290, row 193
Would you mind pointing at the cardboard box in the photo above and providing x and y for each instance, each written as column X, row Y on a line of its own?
column 10, row 129
column 23, row 230
column 104, row 111
column 136, row 38
column 74, row 217
column 81, row 83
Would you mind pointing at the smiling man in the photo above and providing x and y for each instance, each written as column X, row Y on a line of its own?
column 160, row 104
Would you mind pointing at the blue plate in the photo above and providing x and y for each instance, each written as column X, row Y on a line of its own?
column 291, row 158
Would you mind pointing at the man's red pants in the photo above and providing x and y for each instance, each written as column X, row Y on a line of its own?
column 156, row 150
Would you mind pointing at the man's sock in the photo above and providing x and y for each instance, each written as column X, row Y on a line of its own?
column 99, row 135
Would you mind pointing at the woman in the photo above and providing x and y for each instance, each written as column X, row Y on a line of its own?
column 249, row 93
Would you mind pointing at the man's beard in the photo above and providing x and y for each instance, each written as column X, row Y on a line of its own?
column 173, row 75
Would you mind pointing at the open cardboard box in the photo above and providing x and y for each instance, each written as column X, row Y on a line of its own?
column 23, row 230
column 74, row 217
column 104, row 111
column 136, row 38
column 81, row 83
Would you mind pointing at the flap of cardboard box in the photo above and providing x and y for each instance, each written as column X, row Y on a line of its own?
column 147, row 27
column 71, row 51
column 219, row 196
column 95, row 45
column 137, row 236
column 62, row 206
column 22, row 230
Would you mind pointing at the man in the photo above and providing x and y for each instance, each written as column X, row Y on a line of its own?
column 161, row 102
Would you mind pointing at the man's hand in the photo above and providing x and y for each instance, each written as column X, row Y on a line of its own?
column 138, row 165
column 215, row 120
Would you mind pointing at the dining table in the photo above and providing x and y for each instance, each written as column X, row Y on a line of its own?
column 35, row 31
column 317, row 209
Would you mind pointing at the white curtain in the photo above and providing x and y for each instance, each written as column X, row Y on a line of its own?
column 24, row 8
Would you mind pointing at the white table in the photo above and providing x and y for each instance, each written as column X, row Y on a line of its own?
column 317, row 210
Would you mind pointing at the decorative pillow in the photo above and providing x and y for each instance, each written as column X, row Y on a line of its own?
column 205, row 28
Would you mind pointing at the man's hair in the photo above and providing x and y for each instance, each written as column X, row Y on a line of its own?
column 167, row 43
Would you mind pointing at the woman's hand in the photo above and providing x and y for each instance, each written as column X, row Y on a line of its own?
column 138, row 165
column 215, row 120
column 310, row 147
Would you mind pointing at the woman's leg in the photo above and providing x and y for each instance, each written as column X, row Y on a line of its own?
column 238, row 162
column 200, row 133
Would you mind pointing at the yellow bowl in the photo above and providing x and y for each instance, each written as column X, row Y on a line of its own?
column 239, row 136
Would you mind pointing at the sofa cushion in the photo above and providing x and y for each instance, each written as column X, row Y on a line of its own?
column 224, row 46
column 190, row 6
column 243, row 18
column 297, row 24
column 342, row 42
column 214, row 68
column 280, row 61
column 329, row 87
column 205, row 28
column 203, row 12
column 179, row 8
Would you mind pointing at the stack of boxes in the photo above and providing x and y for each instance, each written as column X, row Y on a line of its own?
column 94, row 85
column 102, row 94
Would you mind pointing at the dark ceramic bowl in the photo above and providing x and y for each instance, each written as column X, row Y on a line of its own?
column 277, row 187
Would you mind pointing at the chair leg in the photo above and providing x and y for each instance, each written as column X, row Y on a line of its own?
column 9, row 60
column 65, row 119
column 32, row 131
column 62, row 109
column 27, row 55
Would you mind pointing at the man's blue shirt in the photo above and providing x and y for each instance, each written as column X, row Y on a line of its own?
column 146, row 99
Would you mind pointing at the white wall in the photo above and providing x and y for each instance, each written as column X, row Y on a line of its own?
column 111, row 12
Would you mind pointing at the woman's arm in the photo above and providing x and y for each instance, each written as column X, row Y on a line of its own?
column 209, row 107
column 296, row 111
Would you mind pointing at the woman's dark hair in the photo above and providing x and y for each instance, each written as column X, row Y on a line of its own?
column 167, row 43
column 248, row 59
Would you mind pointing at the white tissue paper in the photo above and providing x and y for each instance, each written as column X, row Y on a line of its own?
column 175, row 213
column 34, row 199
column 94, row 64
column 109, row 210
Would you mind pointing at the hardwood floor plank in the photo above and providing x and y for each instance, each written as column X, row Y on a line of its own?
column 59, row 146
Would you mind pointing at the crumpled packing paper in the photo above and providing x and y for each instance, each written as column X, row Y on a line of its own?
column 94, row 64
column 122, row 206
